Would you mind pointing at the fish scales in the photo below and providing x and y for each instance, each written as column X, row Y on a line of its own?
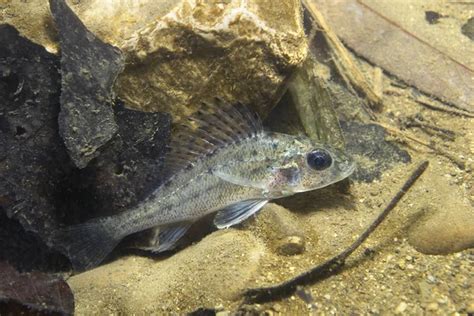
column 222, row 161
column 182, row 198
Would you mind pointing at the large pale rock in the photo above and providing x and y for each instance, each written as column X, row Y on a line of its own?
column 215, row 270
column 112, row 21
column 181, row 52
column 446, row 222
column 239, row 50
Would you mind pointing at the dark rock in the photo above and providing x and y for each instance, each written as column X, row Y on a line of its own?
column 468, row 28
column 128, row 168
column 40, row 188
column 367, row 145
column 32, row 155
column 89, row 68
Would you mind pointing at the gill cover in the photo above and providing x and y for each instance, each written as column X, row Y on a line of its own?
column 268, row 179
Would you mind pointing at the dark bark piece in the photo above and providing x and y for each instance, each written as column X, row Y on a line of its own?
column 33, row 293
column 89, row 68
column 314, row 105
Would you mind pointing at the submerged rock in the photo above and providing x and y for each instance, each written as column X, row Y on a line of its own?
column 281, row 230
column 446, row 224
column 216, row 269
column 89, row 68
column 291, row 245
column 444, row 231
column 111, row 21
column 32, row 156
column 239, row 50
column 178, row 53
column 39, row 186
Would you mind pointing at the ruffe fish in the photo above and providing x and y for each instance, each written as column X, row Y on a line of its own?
column 220, row 160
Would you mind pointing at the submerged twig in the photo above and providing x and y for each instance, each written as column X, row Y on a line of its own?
column 395, row 131
column 444, row 108
column 431, row 129
column 344, row 61
column 336, row 263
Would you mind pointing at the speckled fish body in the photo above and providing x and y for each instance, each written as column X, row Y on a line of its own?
column 221, row 160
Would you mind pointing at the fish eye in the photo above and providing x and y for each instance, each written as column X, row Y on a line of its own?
column 319, row 159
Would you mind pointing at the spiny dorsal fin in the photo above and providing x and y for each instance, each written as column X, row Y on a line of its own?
column 215, row 125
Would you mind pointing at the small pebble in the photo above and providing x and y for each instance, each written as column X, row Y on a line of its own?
column 432, row 306
column 401, row 308
column 431, row 278
column 291, row 245
column 276, row 307
column 401, row 264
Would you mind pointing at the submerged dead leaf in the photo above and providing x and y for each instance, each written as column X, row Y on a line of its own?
column 408, row 54
column 34, row 293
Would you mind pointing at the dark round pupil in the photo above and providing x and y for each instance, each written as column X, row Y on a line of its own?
column 319, row 159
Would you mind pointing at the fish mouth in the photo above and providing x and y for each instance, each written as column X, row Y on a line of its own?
column 347, row 169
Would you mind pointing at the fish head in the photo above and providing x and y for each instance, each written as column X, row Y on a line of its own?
column 308, row 165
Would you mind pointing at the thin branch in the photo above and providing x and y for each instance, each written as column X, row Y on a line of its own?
column 444, row 108
column 407, row 136
column 336, row 263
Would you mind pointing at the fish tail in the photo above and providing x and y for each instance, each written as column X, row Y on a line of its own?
column 86, row 245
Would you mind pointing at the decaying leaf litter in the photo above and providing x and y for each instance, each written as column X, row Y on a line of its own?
column 371, row 203
column 33, row 293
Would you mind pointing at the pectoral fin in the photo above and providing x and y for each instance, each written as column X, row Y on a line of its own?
column 167, row 238
column 238, row 212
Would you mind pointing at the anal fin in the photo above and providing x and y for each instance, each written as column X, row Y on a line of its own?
column 238, row 212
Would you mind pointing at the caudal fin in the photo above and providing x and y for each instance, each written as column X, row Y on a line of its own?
column 86, row 244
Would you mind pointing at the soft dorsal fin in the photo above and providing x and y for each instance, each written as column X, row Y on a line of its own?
column 215, row 125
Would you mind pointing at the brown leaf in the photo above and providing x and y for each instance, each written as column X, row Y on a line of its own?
column 410, row 56
column 33, row 293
